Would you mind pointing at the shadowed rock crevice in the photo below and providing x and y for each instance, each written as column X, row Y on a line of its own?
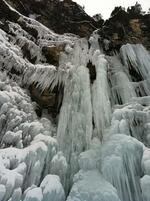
column 52, row 53
column 47, row 100
column 92, row 71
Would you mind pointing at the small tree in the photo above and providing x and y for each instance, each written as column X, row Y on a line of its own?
column 97, row 17
column 136, row 9
column 117, row 10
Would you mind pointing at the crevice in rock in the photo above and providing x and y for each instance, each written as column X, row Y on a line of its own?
column 47, row 100
column 92, row 71
column 52, row 53
column 27, row 54
column 135, row 75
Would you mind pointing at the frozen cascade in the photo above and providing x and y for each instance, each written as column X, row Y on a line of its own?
column 75, row 120
column 100, row 89
column 119, row 82
column 125, row 153
column 137, row 57
column 100, row 96
column 98, row 147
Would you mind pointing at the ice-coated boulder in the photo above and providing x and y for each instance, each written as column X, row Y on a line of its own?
column 52, row 189
column 34, row 194
column 91, row 186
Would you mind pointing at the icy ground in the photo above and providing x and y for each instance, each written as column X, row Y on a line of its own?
column 98, row 150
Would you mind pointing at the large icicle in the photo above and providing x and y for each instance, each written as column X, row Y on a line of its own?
column 122, row 88
column 145, row 180
column 121, row 166
column 137, row 57
column 100, row 88
column 75, row 120
column 100, row 95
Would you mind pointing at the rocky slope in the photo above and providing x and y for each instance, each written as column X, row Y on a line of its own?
column 60, row 16
column 126, row 27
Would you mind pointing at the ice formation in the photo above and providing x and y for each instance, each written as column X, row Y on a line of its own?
column 97, row 149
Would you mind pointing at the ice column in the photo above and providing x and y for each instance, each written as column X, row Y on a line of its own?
column 75, row 120
column 121, row 166
column 100, row 95
column 122, row 88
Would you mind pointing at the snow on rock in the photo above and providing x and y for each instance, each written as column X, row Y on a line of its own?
column 34, row 194
column 52, row 147
column 52, row 189
column 18, row 120
column 91, row 186
column 16, row 196
column 24, row 168
column 23, row 48
column 20, row 128
column 132, row 119
column 59, row 161
column 89, row 160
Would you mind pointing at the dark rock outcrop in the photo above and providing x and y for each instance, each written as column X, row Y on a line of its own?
column 30, row 46
column 52, row 53
column 60, row 16
column 124, row 27
column 48, row 100
column 69, row 17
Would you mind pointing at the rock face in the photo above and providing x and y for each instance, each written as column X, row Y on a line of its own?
column 49, row 52
column 60, row 16
column 123, row 27
column 68, row 17
column 52, row 53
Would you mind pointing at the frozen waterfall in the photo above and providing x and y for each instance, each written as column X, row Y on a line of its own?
column 97, row 147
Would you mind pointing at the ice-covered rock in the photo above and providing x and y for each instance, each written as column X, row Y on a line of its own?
column 121, row 159
column 52, row 189
column 91, row 186
column 145, row 185
column 59, row 161
column 34, row 194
